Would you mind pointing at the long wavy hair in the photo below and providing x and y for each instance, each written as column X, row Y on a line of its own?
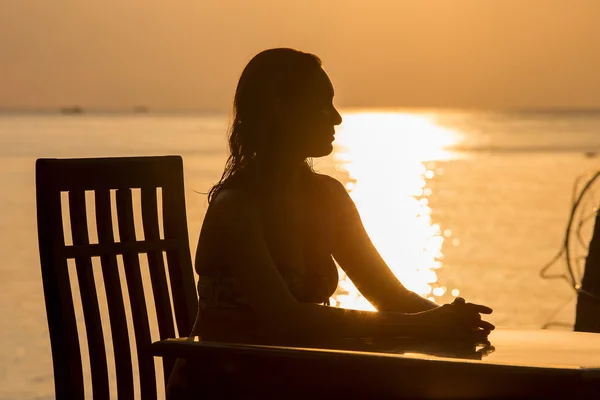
column 271, row 77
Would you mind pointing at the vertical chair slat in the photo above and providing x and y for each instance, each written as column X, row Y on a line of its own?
column 62, row 324
column 136, row 295
column 181, row 277
column 114, row 298
column 89, row 298
column 158, row 276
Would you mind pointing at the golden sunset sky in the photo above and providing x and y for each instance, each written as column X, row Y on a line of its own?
column 176, row 54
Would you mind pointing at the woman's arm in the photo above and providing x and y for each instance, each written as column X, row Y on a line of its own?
column 245, row 251
column 359, row 258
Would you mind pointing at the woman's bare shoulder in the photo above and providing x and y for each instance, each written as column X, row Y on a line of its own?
column 335, row 188
column 230, row 204
column 329, row 181
column 228, row 196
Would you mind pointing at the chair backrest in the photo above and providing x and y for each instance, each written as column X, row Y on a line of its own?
column 94, row 190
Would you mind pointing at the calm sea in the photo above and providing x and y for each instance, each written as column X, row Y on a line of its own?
column 469, row 203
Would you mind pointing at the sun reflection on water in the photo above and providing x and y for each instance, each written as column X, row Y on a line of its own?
column 388, row 159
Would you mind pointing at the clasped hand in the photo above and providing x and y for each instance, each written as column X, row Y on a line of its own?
column 458, row 320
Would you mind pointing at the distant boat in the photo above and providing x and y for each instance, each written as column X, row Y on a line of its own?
column 71, row 110
column 140, row 109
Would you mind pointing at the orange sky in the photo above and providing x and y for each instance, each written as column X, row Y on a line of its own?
column 188, row 54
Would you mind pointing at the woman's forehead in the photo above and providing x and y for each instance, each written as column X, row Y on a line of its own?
column 322, row 83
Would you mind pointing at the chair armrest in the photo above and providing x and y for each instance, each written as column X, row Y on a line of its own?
column 192, row 347
column 174, row 347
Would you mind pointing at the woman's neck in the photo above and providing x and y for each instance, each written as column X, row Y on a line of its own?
column 280, row 169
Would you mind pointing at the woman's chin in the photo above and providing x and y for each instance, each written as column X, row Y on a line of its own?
column 323, row 151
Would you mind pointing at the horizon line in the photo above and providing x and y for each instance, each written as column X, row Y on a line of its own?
column 76, row 109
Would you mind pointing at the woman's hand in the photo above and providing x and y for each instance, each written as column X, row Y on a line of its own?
column 459, row 320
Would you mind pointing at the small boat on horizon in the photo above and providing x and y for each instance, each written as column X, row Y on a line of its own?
column 141, row 109
column 71, row 110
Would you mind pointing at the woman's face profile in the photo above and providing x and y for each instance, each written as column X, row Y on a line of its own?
column 309, row 120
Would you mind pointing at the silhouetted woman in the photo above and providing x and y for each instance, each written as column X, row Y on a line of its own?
column 265, row 257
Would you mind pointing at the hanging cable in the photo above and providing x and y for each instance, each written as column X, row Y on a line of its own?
column 570, row 275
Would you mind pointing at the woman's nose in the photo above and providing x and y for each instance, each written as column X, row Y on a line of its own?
column 337, row 118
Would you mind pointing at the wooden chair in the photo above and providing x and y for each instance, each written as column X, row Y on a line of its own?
column 113, row 180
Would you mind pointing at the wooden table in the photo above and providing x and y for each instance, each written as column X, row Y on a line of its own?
column 518, row 364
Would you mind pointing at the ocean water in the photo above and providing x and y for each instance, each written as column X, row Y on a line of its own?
column 457, row 202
